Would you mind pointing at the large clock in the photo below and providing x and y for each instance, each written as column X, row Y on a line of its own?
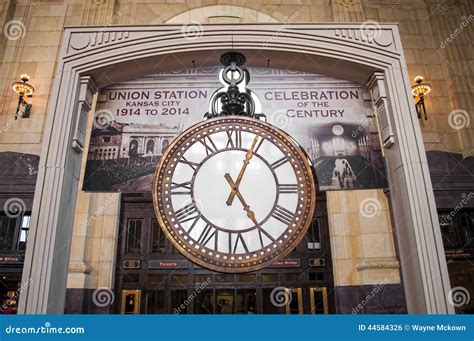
column 234, row 193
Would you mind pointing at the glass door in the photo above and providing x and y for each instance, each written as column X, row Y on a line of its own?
column 224, row 301
column 294, row 304
column 319, row 300
column 246, row 301
column 130, row 302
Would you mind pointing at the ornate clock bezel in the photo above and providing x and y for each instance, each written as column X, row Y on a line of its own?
column 244, row 264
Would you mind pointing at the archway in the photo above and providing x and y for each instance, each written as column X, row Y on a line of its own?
column 150, row 147
column 94, row 57
column 166, row 143
column 133, row 149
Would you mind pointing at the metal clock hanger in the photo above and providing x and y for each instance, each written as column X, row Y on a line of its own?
column 234, row 98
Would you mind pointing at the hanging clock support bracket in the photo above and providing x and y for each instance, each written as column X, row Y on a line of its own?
column 234, row 98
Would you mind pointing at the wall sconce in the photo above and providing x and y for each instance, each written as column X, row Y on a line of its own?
column 23, row 88
column 420, row 90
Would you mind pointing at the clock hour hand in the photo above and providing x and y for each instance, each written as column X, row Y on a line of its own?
column 235, row 187
column 247, row 209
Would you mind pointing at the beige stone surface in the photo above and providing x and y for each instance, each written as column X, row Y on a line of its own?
column 361, row 236
column 94, row 235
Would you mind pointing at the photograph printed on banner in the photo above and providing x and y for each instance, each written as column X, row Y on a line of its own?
column 331, row 119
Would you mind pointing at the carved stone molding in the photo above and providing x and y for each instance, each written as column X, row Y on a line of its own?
column 96, row 12
column 103, row 37
column 446, row 6
column 378, row 263
column 79, row 267
column 347, row 11
column 369, row 33
column 84, row 105
column 382, row 108
column 7, row 10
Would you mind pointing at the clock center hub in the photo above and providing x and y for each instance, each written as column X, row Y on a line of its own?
column 258, row 188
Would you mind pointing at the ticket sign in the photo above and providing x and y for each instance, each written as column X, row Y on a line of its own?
column 167, row 264
column 11, row 259
column 330, row 118
column 286, row 263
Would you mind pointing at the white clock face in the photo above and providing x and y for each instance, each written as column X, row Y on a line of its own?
column 234, row 193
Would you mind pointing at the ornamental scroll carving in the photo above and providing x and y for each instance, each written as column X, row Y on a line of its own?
column 368, row 32
column 82, row 40
column 347, row 11
column 97, row 12
column 84, row 105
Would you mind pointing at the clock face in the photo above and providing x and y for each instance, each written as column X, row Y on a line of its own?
column 234, row 193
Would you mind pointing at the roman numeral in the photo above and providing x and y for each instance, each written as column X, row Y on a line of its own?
column 283, row 215
column 259, row 144
column 207, row 142
column 184, row 213
column 191, row 164
column 206, row 235
column 196, row 219
column 237, row 240
column 287, row 188
column 183, row 188
column 260, row 231
column 234, row 139
column 279, row 163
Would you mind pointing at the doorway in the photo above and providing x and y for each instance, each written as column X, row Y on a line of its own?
column 152, row 277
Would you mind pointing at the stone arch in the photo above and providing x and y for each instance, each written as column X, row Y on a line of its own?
column 93, row 57
column 165, row 145
column 133, row 147
column 150, row 147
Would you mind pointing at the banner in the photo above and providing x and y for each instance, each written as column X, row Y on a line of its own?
column 331, row 119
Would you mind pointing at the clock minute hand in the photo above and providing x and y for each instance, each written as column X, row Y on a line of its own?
column 247, row 209
column 235, row 187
